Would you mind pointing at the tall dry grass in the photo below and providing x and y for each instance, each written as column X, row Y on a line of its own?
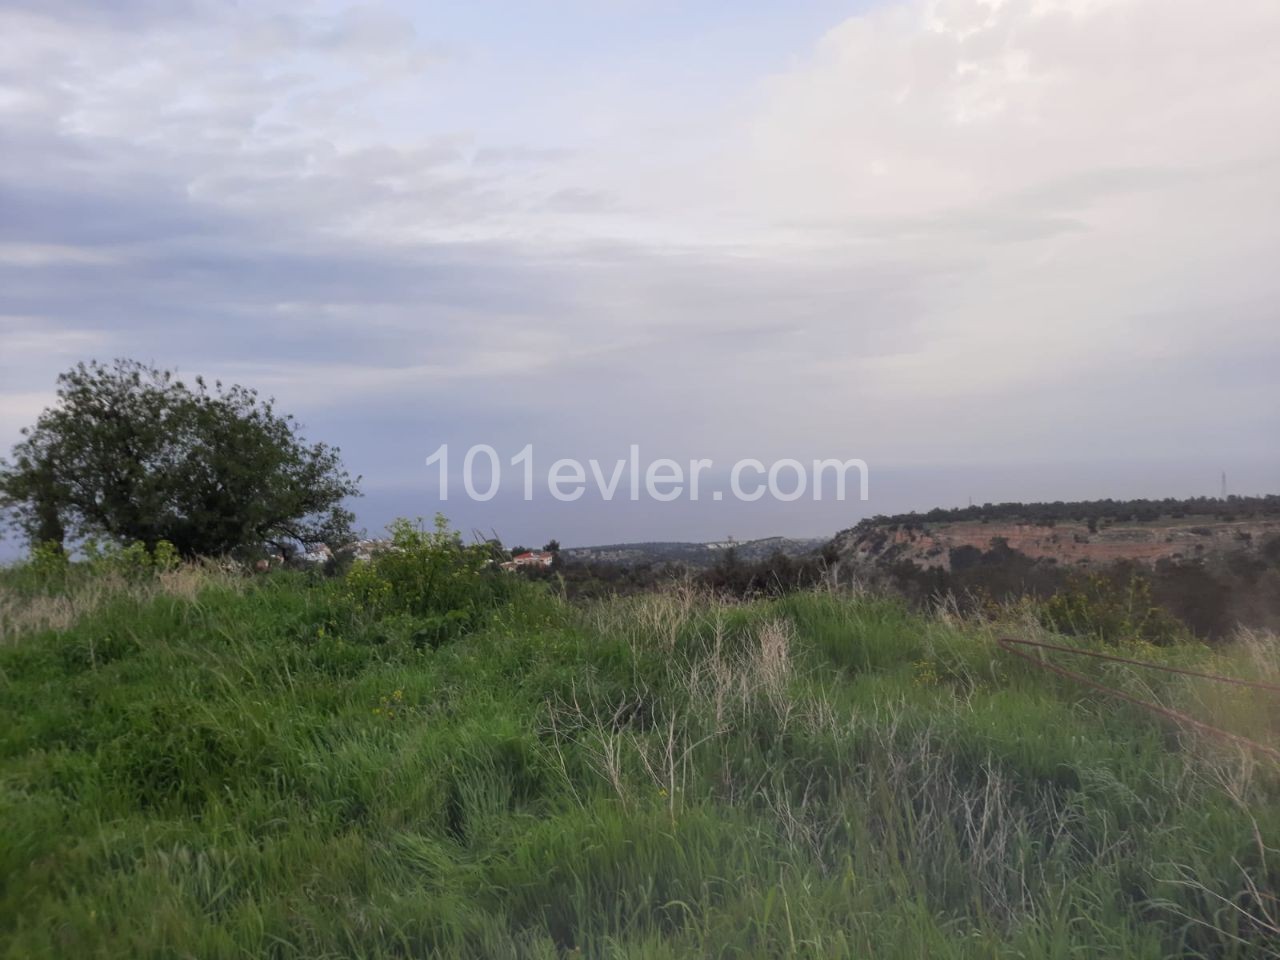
column 26, row 611
column 662, row 776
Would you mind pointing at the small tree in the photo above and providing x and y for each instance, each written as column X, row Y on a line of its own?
column 131, row 453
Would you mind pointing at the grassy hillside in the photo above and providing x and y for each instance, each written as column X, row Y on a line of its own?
column 195, row 764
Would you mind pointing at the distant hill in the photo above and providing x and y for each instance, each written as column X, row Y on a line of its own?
column 695, row 555
column 1228, row 509
column 1084, row 533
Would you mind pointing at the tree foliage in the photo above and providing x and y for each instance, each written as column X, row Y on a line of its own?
column 131, row 453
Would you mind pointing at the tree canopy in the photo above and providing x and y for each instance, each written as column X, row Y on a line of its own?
column 132, row 453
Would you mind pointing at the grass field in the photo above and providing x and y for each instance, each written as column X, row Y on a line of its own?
column 203, row 765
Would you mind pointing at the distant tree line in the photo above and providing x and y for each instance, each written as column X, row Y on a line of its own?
column 1092, row 512
column 732, row 575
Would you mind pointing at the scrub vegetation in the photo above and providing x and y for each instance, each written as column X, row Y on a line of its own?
column 427, row 757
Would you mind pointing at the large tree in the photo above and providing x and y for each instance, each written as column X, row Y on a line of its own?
column 130, row 452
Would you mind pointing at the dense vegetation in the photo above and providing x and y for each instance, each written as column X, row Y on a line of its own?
column 1207, row 597
column 693, row 556
column 731, row 575
column 425, row 757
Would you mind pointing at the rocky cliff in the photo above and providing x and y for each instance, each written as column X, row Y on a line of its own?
column 927, row 544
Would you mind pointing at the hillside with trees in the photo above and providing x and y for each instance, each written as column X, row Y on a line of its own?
column 1206, row 565
column 1095, row 511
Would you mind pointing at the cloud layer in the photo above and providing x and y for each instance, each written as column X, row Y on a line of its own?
column 956, row 232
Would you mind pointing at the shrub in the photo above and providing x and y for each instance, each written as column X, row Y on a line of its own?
column 49, row 570
column 1201, row 600
column 430, row 574
column 1111, row 608
column 131, row 561
column 48, row 563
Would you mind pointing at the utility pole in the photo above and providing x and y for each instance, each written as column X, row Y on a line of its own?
column 1224, row 485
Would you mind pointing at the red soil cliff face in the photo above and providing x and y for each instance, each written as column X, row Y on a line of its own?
column 930, row 544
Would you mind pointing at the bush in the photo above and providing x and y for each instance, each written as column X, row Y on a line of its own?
column 48, row 564
column 1111, row 608
column 1202, row 600
column 131, row 561
column 429, row 574
column 49, row 570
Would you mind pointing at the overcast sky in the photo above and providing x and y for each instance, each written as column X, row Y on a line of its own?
column 1007, row 250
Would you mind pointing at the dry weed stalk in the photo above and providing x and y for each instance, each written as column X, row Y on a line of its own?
column 23, row 612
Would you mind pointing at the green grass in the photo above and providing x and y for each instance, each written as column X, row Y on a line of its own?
column 244, row 769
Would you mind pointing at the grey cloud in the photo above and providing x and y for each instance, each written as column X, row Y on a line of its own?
column 519, row 155
column 249, row 216
column 1088, row 186
column 119, row 14
column 579, row 200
